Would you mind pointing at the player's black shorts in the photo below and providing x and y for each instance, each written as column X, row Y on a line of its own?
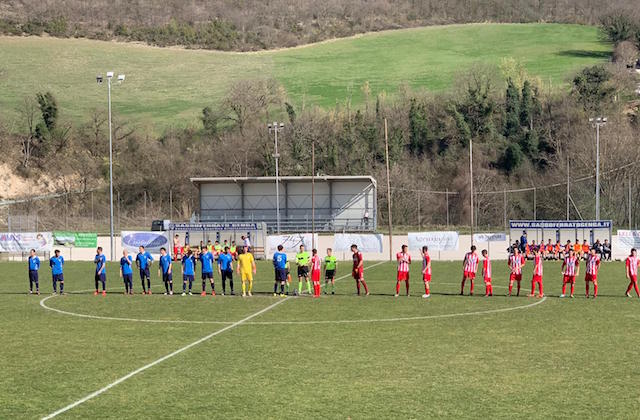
column 167, row 277
column 58, row 277
column 127, row 278
column 100, row 277
column 281, row 274
column 207, row 276
column 33, row 275
column 303, row 271
column 329, row 274
column 187, row 277
column 144, row 273
column 227, row 274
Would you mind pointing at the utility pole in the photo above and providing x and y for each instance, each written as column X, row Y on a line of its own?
column 313, row 195
column 275, row 128
column 568, row 196
column 597, row 122
column 386, row 150
column 471, row 187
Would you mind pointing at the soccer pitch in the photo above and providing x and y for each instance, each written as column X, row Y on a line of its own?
column 339, row 356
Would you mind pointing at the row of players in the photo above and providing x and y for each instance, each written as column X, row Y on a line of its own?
column 557, row 251
column 246, row 268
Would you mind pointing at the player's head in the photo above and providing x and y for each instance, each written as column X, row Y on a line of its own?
column 516, row 250
column 524, row 232
column 425, row 249
column 245, row 249
column 99, row 250
column 280, row 247
column 404, row 248
column 354, row 248
column 485, row 253
column 225, row 241
column 633, row 252
column 141, row 248
column 208, row 241
column 592, row 251
column 329, row 251
column 57, row 252
column 473, row 248
column 176, row 236
column 217, row 242
column 571, row 252
column 314, row 251
column 163, row 251
column 233, row 243
column 32, row 252
column 537, row 251
column 189, row 252
column 125, row 252
column 301, row 248
column 226, row 249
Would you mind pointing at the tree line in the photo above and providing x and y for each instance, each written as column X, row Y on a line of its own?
column 255, row 25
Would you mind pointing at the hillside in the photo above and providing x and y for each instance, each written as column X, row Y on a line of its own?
column 167, row 87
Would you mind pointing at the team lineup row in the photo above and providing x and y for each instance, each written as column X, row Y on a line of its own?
column 309, row 270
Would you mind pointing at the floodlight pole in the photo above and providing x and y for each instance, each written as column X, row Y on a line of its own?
column 275, row 127
column 471, row 187
column 597, row 122
column 112, row 254
column 386, row 150
column 313, row 196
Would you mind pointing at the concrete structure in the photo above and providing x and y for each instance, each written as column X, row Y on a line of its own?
column 342, row 203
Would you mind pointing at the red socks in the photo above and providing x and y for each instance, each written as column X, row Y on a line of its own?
column 316, row 289
column 464, row 279
column 366, row 289
column 572, row 287
column 510, row 286
column 471, row 289
column 595, row 289
column 397, row 287
column 564, row 288
column 426, row 288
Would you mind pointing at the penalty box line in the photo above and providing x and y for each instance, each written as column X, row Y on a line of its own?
column 170, row 355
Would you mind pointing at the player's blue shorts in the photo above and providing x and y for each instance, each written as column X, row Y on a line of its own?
column 33, row 275
column 167, row 276
column 127, row 277
column 144, row 273
column 207, row 276
column 187, row 277
column 58, row 277
column 281, row 274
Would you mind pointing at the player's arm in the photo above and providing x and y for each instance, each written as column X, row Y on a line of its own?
column 361, row 263
column 626, row 271
column 120, row 272
column 253, row 265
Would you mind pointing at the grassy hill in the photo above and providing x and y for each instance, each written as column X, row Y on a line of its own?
column 171, row 86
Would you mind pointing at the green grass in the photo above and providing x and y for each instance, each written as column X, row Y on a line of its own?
column 561, row 358
column 171, row 86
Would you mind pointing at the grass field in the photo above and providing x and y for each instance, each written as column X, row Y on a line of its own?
column 336, row 357
column 171, row 86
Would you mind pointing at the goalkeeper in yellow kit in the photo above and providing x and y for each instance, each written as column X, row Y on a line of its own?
column 246, row 270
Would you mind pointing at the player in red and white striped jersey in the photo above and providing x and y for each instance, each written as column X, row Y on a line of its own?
column 537, row 274
column 516, row 262
column 469, row 267
column 570, row 269
column 632, row 272
column 358, row 270
column 426, row 271
column 486, row 273
column 316, row 269
column 404, row 260
column 593, row 264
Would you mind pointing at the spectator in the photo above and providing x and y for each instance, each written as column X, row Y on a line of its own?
column 365, row 219
column 606, row 250
column 598, row 247
column 523, row 241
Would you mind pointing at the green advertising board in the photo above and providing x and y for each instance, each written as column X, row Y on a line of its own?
column 76, row 239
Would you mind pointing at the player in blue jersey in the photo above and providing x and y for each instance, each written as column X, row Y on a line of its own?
column 280, row 267
column 126, row 272
column 143, row 261
column 225, row 268
column 206, row 263
column 56, row 263
column 165, row 270
column 34, row 266
column 101, row 271
column 188, row 271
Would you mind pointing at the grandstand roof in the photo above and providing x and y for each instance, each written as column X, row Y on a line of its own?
column 259, row 179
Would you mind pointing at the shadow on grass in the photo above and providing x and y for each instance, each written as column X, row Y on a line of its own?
column 584, row 54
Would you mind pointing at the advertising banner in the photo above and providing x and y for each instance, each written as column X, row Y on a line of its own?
column 25, row 241
column 628, row 239
column 366, row 242
column 291, row 243
column 76, row 239
column 152, row 241
column 489, row 237
column 436, row 241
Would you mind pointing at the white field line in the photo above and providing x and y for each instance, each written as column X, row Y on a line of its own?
column 160, row 360
column 158, row 321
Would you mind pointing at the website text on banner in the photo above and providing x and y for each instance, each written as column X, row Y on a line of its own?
column 152, row 241
column 628, row 239
column 436, row 241
column 366, row 242
column 25, row 241
column 291, row 243
column 76, row 239
column 489, row 237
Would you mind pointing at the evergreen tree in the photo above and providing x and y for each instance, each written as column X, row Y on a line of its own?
column 512, row 129
column 418, row 132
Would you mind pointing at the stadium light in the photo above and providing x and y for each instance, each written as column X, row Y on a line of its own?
column 274, row 128
column 99, row 81
column 597, row 122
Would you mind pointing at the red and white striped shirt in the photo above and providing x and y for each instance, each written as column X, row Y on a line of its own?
column 537, row 265
column 315, row 263
column 403, row 262
column 632, row 265
column 486, row 268
column 569, row 266
column 593, row 263
column 426, row 267
column 470, row 262
column 515, row 263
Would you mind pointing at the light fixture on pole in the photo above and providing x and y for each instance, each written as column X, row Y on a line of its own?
column 120, row 79
column 274, row 128
column 597, row 123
